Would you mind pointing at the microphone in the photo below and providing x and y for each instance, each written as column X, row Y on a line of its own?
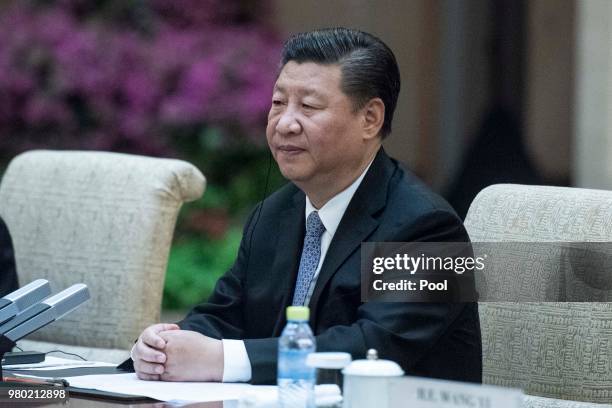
column 19, row 300
column 45, row 312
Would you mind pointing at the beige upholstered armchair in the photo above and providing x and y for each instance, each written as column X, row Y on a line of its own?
column 561, row 351
column 104, row 219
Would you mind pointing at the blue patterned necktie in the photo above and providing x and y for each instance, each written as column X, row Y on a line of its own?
column 311, row 252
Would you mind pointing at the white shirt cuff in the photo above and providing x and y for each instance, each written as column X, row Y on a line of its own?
column 236, row 363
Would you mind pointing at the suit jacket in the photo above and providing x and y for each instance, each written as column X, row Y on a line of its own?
column 8, row 271
column 249, row 301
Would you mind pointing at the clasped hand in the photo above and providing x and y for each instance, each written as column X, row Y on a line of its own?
column 165, row 352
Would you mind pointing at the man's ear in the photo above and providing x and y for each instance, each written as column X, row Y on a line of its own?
column 374, row 117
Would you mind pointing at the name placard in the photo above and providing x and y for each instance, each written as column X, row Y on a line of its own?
column 416, row 392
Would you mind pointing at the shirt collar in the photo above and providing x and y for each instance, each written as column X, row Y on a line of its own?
column 331, row 213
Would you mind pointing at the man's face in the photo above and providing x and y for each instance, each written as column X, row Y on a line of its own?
column 313, row 133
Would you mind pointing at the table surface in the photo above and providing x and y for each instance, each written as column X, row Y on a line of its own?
column 80, row 402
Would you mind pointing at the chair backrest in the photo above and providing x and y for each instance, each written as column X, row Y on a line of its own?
column 104, row 219
column 558, row 350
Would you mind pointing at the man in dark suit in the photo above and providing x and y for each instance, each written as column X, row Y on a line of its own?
column 332, row 105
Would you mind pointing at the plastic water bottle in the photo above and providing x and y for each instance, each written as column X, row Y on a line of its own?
column 296, row 380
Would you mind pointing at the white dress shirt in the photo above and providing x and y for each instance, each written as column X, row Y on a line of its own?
column 236, row 363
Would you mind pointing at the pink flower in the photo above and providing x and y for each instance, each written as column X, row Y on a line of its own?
column 103, row 83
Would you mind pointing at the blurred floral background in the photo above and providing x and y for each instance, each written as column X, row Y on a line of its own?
column 175, row 78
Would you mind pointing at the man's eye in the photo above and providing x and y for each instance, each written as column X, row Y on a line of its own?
column 307, row 106
column 277, row 102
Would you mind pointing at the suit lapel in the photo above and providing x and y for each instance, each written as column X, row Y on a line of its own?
column 291, row 237
column 358, row 221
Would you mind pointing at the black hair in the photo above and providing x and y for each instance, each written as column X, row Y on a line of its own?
column 369, row 69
